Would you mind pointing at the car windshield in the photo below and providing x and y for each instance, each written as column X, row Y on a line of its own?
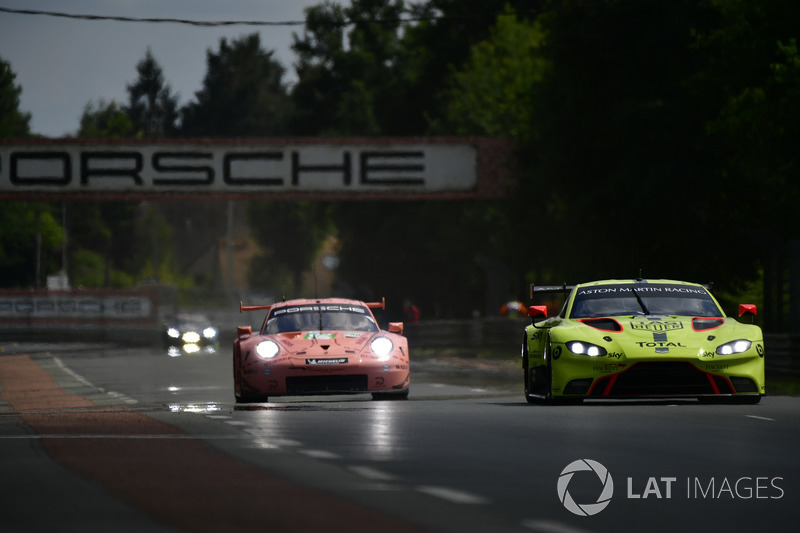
column 322, row 317
column 643, row 299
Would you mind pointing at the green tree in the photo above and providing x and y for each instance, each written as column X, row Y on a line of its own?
column 619, row 161
column 385, row 78
column 103, row 120
column 30, row 240
column 431, row 49
column 152, row 107
column 13, row 122
column 320, row 83
column 243, row 93
column 29, row 232
column 288, row 249
column 491, row 93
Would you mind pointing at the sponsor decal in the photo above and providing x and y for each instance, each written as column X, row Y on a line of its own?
column 311, row 335
column 656, row 325
column 317, row 309
column 641, row 289
column 607, row 368
column 717, row 367
column 557, row 352
column 660, row 345
column 327, row 361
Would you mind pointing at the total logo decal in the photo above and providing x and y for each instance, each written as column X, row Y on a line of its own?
column 585, row 473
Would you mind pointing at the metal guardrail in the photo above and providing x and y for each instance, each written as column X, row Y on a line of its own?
column 482, row 337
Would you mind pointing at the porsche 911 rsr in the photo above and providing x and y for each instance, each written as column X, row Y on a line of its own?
column 641, row 338
column 325, row 346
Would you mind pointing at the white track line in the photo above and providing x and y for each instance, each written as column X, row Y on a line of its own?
column 452, row 495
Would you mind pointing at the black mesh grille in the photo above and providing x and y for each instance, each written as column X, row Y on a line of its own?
column 744, row 385
column 326, row 384
column 661, row 379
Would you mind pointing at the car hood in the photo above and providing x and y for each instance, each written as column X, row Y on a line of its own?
column 324, row 343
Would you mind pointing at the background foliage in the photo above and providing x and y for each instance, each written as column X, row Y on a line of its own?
column 652, row 135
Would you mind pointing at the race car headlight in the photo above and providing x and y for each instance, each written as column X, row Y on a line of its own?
column 174, row 333
column 382, row 347
column 209, row 333
column 730, row 348
column 585, row 348
column 267, row 349
column 191, row 337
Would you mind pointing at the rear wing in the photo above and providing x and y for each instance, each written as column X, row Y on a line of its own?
column 377, row 305
column 243, row 308
column 537, row 289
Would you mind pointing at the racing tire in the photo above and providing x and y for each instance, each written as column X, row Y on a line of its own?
column 251, row 398
column 390, row 396
column 533, row 396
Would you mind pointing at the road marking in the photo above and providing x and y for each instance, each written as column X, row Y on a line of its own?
column 371, row 473
column 320, row 454
column 77, row 377
column 452, row 495
column 138, row 436
column 85, row 382
column 552, row 526
column 761, row 418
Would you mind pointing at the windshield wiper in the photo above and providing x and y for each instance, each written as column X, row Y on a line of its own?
column 641, row 302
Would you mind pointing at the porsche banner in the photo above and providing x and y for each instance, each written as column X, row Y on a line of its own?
column 382, row 167
column 79, row 307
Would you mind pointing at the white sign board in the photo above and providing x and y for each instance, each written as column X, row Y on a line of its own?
column 230, row 167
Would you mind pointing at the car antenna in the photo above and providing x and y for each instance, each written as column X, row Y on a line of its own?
column 316, row 291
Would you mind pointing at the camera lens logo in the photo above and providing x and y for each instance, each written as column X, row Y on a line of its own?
column 585, row 509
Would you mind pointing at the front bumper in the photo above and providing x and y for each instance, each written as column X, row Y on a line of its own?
column 630, row 377
column 279, row 380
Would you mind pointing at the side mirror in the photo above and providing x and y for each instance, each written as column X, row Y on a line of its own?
column 244, row 331
column 537, row 311
column 748, row 310
column 396, row 327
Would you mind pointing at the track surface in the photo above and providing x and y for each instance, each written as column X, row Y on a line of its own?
column 103, row 438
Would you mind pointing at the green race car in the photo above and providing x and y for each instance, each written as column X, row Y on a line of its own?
column 640, row 339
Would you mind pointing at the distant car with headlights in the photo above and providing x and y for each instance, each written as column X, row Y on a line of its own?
column 641, row 339
column 189, row 329
column 320, row 346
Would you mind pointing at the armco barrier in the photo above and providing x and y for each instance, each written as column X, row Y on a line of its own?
column 494, row 337
column 105, row 314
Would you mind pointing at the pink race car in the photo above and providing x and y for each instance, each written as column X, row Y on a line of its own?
column 325, row 346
